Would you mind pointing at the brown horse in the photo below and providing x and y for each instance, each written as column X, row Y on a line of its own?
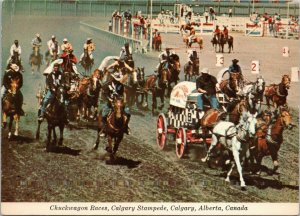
column 191, row 71
column 172, row 72
column 89, row 89
column 117, row 122
column 36, row 60
column 196, row 39
column 9, row 108
column 278, row 93
column 269, row 137
column 56, row 117
column 231, row 87
column 188, row 27
column 238, row 108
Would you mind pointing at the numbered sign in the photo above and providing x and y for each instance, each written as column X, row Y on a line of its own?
column 295, row 74
column 220, row 60
column 285, row 52
column 255, row 67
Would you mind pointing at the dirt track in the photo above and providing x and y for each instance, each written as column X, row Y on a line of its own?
column 142, row 172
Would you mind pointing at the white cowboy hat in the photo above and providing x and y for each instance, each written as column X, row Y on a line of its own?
column 205, row 71
column 88, row 39
column 53, row 36
column 14, row 67
column 37, row 34
column 117, row 76
column 65, row 40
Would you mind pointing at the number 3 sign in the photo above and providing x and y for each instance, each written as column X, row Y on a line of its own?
column 255, row 67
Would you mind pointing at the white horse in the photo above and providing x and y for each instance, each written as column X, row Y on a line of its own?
column 254, row 93
column 234, row 137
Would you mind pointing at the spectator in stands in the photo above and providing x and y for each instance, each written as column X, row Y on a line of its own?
column 230, row 12
column 205, row 14
column 211, row 14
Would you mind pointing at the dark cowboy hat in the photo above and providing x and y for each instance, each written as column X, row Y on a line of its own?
column 235, row 61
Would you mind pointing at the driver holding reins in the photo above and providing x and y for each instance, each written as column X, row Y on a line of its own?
column 89, row 46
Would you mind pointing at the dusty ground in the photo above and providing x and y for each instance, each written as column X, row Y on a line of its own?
column 142, row 172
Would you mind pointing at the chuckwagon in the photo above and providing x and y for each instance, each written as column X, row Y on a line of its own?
column 182, row 120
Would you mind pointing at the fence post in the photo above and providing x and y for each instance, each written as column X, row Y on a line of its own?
column 105, row 9
column 29, row 7
column 90, row 8
column 76, row 8
column 60, row 8
column 46, row 7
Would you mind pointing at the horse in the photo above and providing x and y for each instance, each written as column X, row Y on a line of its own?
column 254, row 93
column 36, row 59
column 130, row 88
column 191, row 71
column 157, row 43
column 278, row 93
column 56, row 117
column 50, row 58
column 9, row 108
column 270, row 137
column 89, row 89
column 14, row 59
column 117, row 122
column 220, row 40
column 172, row 72
column 187, row 27
column 235, row 109
column 86, row 62
column 231, row 87
column 196, row 39
column 233, row 137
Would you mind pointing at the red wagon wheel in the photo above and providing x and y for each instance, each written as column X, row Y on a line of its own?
column 180, row 142
column 161, row 131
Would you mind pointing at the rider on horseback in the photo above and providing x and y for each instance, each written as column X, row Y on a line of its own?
column 192, row 56
column 69, row 58
column 225, row 32
column 53, row 45
column 54, row 81
column 15, row 49
column 217, row 32
column 36, row 43
column 66, row 47
column 208, row 86
column 12, row 74
column 126, row 54
column 88, row 47
column 235, row 68
column 164, row 60
column 112, row 91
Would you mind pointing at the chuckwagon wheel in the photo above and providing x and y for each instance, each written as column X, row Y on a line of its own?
column 161, row 131
column 180, row 142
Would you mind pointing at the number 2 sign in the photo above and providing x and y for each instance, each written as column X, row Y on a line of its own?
column 255, row 67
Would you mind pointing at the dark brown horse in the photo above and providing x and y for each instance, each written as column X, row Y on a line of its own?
column 238, row 108
column 36, row 59
column 173, row 72
column 89, row 89
column 278, row 93
column 231, row 86
column 117, row 122
column 269, row 138
column 9, row 108
column 188, row 27
column 86, row 62
column 56, row 117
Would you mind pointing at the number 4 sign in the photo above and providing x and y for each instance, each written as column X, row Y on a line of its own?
column 255, row 67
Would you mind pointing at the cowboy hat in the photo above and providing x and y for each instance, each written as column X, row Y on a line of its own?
column 14, row 67
column 53, row 36
column 37, row 34
column 88, row 39
column 205, row 71
column 65, row 40
column 235, row 61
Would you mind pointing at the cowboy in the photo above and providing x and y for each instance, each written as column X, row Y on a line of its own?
column 126, row 54
column 11, row 74
column 235, row 68
column 192, row 36
column 115, row 89
column 36, row 42
column 164, row 59
column 119, row 66
column 53, row 45
column 54, row 81
column 66, row 47
column 16, row 49
column 225, row 32
column 192, row 56
column 73, row 60
column 89, row 46
column 217, row 31
column 208, row 86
